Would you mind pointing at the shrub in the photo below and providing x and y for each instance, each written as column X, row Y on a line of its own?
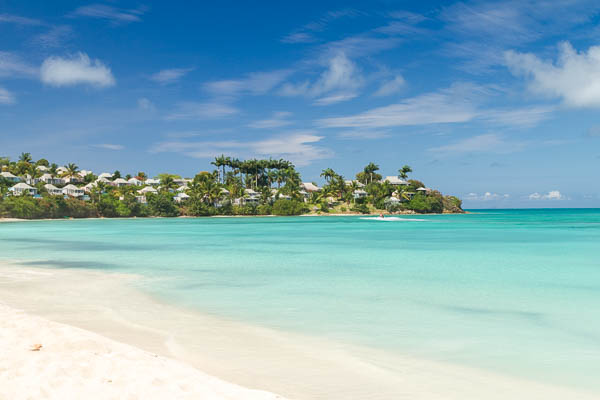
column 162, row 205
column 360, row 208
column 288, row 207
column 426, row 204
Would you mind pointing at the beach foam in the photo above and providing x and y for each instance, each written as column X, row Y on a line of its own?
column 391, row 219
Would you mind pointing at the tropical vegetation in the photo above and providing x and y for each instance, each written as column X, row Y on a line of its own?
column 234, row 187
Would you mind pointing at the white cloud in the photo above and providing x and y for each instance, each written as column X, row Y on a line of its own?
column 551, row 195
column 109, row 146
column 145, row 104
column 115, row 15
column 575, row 77
column 339, row 82
column 256, row 83
column 12, row 65
column 523, row 117
column 55, row 37
column 451, row 105
column 362, row 134
column 58, row 71
column 172, row 75
column 486, row 143
column 277, row 120
column 18, row 20
column 6, row 97
column 392, row 86
column 299, row 37
column 208, row 110
column 487, row 196
column 298, row 146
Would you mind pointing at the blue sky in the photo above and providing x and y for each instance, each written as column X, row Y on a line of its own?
column 496, row 102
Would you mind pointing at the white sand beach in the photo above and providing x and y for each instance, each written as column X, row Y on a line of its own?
column 42, row 359
column 178, row 353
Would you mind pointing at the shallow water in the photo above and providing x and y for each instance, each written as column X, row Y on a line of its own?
column 514, row 291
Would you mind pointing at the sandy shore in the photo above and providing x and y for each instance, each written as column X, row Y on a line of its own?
column 74, row 363
column 292, row 365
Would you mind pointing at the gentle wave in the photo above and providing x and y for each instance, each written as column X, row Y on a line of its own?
column 391, row 219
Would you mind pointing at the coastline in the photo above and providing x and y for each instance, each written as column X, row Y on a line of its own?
column 235, row 216
column 290, row 364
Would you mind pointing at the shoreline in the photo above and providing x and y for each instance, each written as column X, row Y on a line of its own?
column 290, row 364
column 231, row 216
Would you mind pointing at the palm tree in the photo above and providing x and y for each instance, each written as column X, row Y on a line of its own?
column 142, row 176
column 71, row 170
column 328, row 174
column 220, row 162
column 404, row 171
column 370, row 169
column 25, row 158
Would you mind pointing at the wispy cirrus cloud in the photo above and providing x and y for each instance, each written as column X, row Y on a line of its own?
column 110, row 13
column 340, row 81
column 391, row 86
column 256, row 83
column 76, row 70
column 451, row 105
column 55, row 37
column 19, row 20
column 109, row 146
column 298, row 146
column 201, row 110
column 12, row 65
column 486, row 143
column 172, row 75
column 487, row 196
column 6, row 97
column 277, row 120
column 574, row 78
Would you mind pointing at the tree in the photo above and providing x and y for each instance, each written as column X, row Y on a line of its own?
column 25, row 158
column 71, row 170
column 370, row 169
column 404, row 171
column 116, row 174
column 328, row 174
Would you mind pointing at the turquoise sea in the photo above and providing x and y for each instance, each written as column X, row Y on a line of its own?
column 510, row 291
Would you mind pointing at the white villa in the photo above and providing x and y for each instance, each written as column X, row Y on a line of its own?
column 42, row 168
column 310, row 187
column 8, row 176
column 394, row 180
column 53, row 190
column 423, row 190
column 358, row 183
column 21, row 188
column 181, row 197
column 148, row 189
column 359, row 194
column 135, row 182
column 153, row 182
column 49, row 179
column 72, row 190
column 119, row 182
column 105, row 175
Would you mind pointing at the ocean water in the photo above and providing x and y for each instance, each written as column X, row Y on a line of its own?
column 510, row 291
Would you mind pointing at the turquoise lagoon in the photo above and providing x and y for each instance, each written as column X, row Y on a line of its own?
column 511, row 291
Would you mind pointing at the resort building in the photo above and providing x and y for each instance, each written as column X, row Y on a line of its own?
column 105, row 175
column 423, row 190
column 359, row 194
column 153, row 182
column 148, row 189
column 10, row 177
column 119, row 182
column 394, row 180
column 310, row 187
column 53, row 190
column 73, row 191
column 50, row 179
column 357, row 183
column 181, row 197
column 23, row 188
column 42, row 168
column 135, row 182
column 141, row 199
